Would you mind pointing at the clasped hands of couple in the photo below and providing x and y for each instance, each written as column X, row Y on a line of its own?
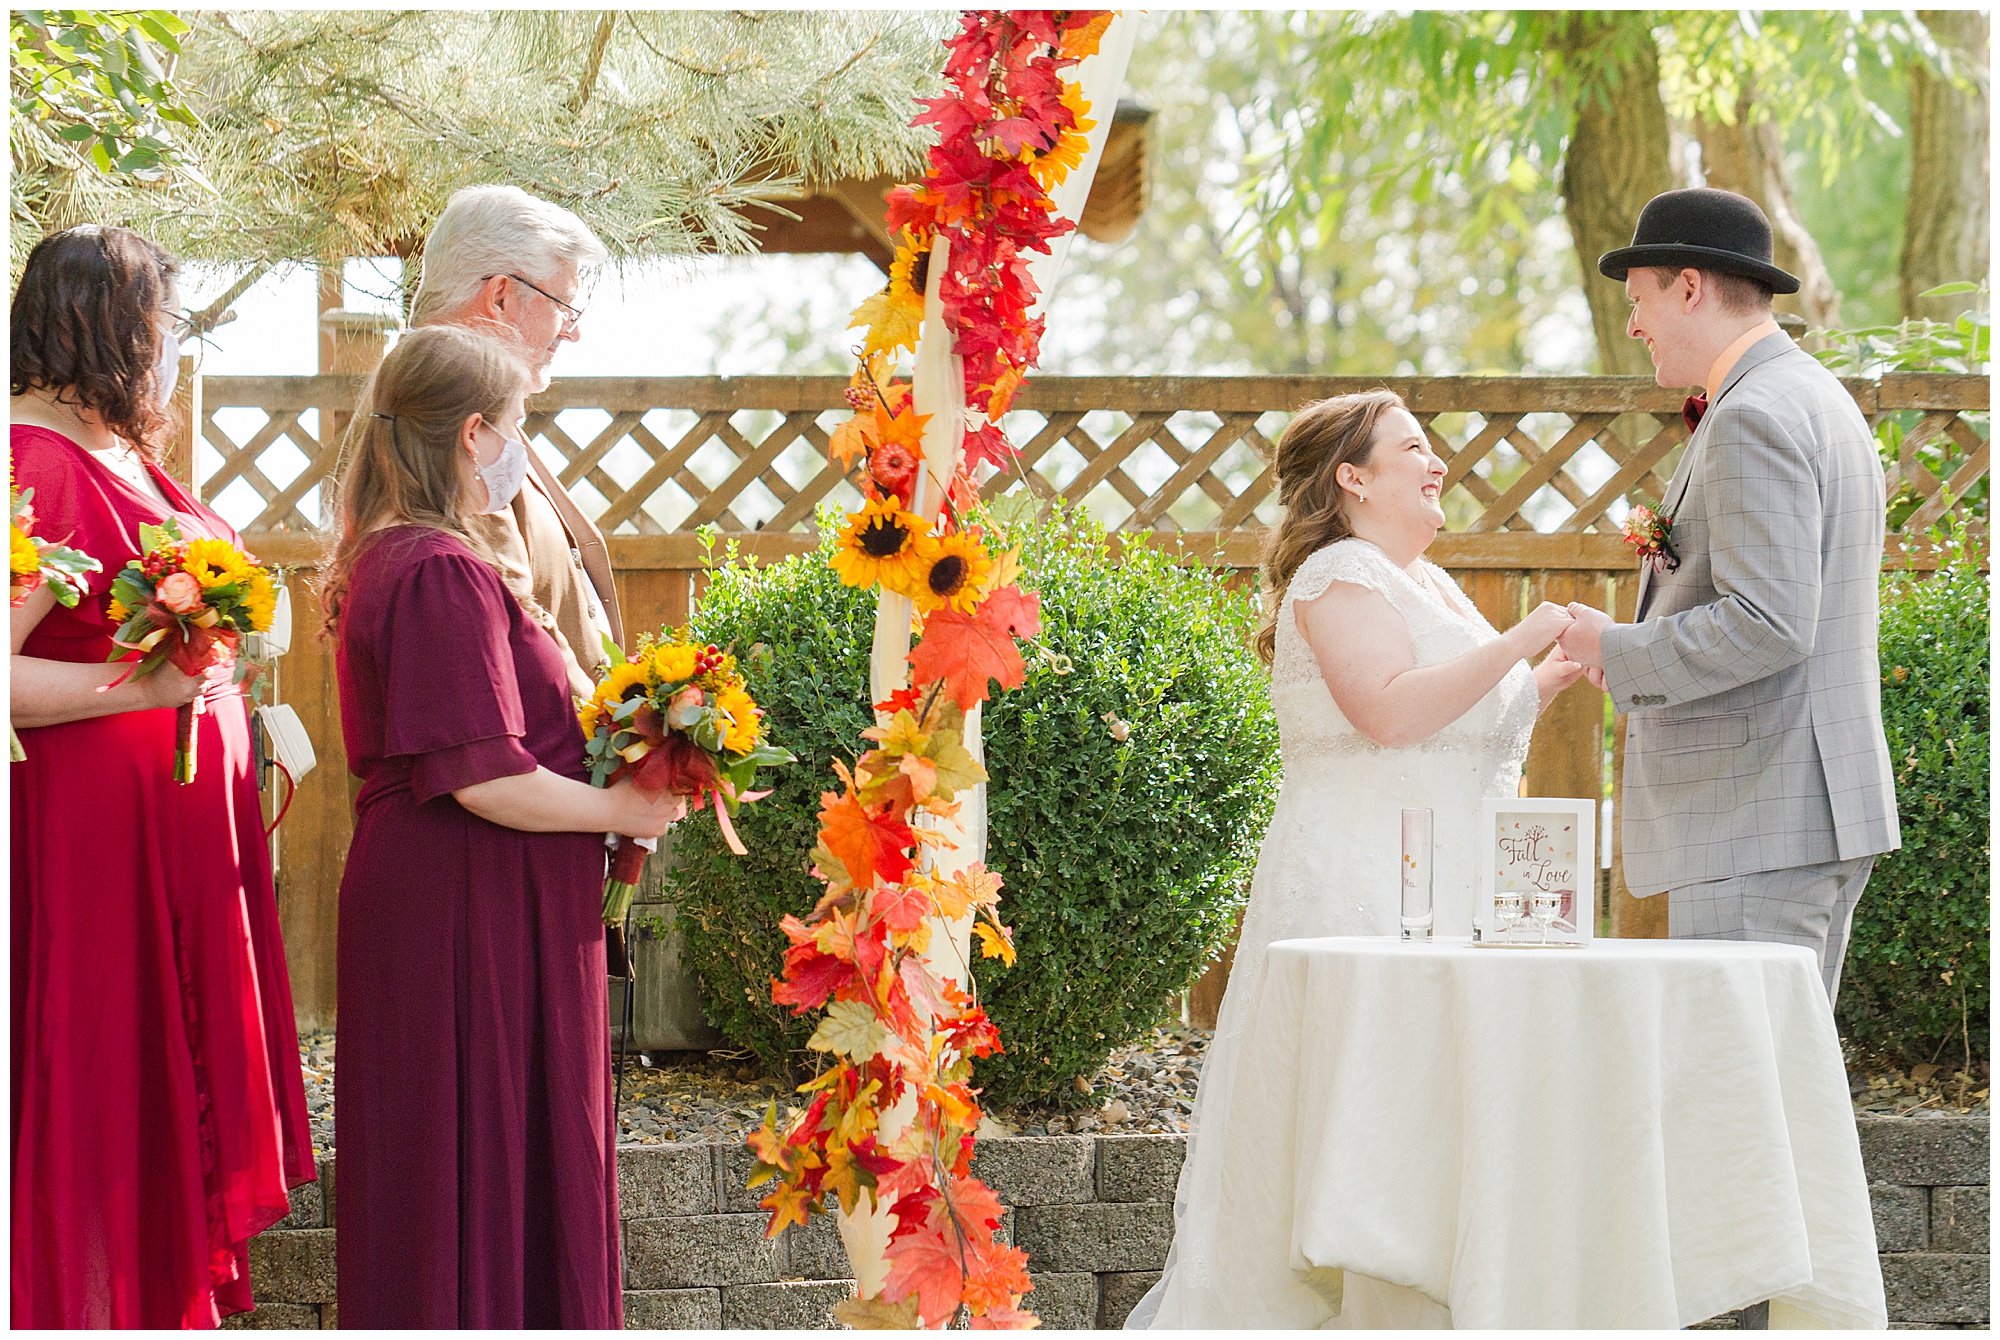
column 1576, row 630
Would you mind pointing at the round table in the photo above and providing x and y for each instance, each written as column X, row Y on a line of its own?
column 1633, row 1133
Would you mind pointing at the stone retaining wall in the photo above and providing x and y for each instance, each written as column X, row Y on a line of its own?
column 1095, row 1216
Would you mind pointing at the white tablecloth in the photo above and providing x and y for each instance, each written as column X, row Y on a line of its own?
column 1638, row 1133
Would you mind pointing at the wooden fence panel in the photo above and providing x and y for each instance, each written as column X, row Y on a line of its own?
column 1539, row 473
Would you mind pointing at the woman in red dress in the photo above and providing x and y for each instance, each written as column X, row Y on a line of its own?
column 473, row 1105
column 159, row 1115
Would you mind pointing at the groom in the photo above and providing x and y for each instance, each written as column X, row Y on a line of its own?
column 1758, row 789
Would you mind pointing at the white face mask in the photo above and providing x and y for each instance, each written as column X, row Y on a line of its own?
column 504, row 476
column 167, row 372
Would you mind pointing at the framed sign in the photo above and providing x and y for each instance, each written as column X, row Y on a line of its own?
column 1537, row 865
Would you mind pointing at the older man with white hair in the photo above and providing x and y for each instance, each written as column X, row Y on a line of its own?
column 501, row 261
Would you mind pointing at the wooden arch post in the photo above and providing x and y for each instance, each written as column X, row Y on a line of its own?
column 938, row 390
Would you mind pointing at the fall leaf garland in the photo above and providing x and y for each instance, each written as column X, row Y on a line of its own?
column 1009, row 126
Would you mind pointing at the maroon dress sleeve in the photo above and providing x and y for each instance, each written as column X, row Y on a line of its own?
column 451, row 704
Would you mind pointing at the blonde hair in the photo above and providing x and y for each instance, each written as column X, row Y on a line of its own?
column 401, row 449
column 1321, row 437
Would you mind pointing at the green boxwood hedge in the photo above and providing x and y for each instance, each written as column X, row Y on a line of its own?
column 1125, row 860
column 1916, row 980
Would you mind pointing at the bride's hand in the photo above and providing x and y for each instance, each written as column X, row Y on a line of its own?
column 1556, row 673
column 1544, row 624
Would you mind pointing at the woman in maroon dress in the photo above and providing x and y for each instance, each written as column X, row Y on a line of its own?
column 158, row 1116
column 473, row 1104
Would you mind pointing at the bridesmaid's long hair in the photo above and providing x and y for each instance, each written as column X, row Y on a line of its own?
column 401, row 448
column 1321, row 437
column 86, row 323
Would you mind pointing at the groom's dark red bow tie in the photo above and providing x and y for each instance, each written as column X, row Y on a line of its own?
column 1692, row 410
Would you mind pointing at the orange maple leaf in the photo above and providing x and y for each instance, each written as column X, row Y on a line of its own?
column 978, row 1209
column 868, row 845
column 924, row 1264
column 1082, row 41
column 788, row 1205
column 1005, row 1319
column 974, row 886
column 906, row 427
column 994, row 941
column 851, row 439
column 997, row 1278
column 965, row 651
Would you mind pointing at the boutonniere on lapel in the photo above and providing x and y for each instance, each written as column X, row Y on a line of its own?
column 1650, row 533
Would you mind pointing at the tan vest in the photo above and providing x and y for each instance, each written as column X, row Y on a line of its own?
column 557, row 563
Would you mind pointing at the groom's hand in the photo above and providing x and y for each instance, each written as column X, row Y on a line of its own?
column 1582, row 640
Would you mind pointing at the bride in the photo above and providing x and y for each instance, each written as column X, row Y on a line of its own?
column 1391, row 691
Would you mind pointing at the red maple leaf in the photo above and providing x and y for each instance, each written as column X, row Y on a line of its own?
column 913, row 1210
column 898, row 701
column 810, row 977
column 973, row 1034
column 902, row 909
column 869, row 845
column 1017, row 611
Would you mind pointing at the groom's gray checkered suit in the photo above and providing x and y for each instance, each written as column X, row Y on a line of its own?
column 1755, row 737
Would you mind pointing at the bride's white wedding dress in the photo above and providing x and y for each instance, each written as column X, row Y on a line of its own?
column 1329, row 866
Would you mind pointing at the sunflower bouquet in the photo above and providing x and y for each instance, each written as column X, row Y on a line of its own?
column 189, row 602
column 674, row 716
column 33, row 563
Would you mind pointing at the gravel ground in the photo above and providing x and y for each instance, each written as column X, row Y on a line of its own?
column 1145, row 1088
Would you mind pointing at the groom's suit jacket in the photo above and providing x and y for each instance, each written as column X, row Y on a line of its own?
column 1751, row 681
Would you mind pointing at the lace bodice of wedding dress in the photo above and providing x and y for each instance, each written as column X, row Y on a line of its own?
column 1329, row 866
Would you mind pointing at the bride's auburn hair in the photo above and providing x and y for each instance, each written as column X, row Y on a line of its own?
column 1321, row 437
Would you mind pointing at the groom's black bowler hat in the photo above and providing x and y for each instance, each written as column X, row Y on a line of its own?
column 1701, row 229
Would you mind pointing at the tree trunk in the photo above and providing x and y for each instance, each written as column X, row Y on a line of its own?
column 1749, row 159
column 1617, row 161
column 1945, row 235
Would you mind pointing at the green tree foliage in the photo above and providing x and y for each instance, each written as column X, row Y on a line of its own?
column 1919, row 962
column 1481, row 104
column 1125, row 859
column 92, row 94
column 1371, row 279
column 342, row 133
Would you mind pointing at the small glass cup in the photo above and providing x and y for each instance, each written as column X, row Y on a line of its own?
column 1416, row 869
column 1509, row 906
column 1543, row 907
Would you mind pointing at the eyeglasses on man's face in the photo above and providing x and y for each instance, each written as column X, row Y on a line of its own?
column 571, row 315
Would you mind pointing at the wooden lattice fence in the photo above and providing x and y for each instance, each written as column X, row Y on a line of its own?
column 1540, row 471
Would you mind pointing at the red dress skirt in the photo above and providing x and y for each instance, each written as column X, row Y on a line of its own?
column 473, row 1107
column 159, row 1115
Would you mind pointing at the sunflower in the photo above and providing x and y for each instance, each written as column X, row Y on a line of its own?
column 617, row 681
column 587, row 715
column 217, row 563
column 674, row 662
column 260, row 600
column 882, row 543
column 22, row 556
column 741, row 709
column 951, row 573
